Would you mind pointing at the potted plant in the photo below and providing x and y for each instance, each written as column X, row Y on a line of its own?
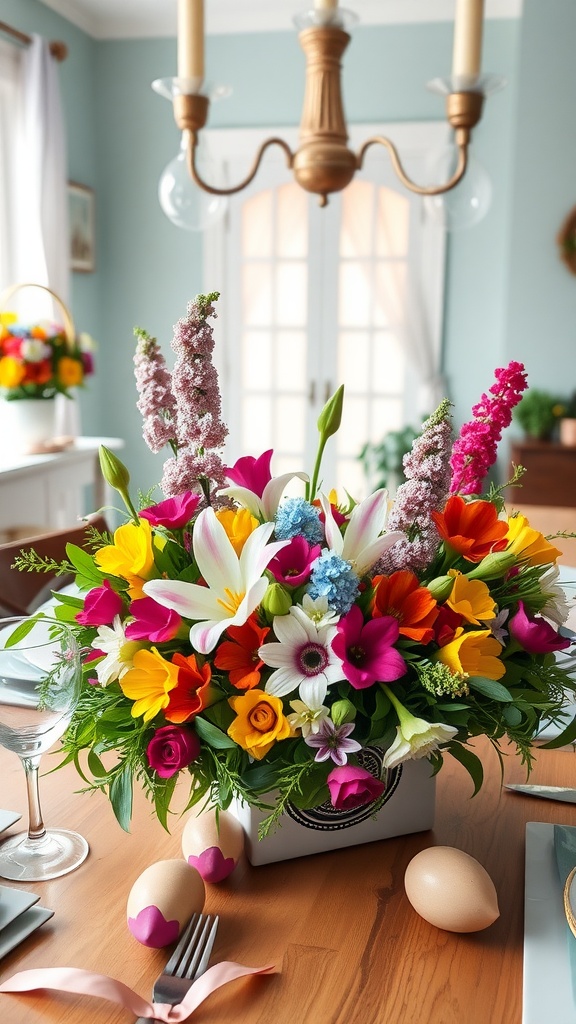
column 538, row 413
column 383, row 462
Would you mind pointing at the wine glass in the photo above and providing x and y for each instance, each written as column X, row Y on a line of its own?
column 40, row 677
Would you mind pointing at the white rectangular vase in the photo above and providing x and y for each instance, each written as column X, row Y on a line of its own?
column 407, row 806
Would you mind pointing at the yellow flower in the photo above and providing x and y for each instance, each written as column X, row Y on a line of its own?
column 528, row 544
column 70, row 371
column 130, row 556
column 470, row 598
column 5, row 320
column 260, row 722
column 148, row 683
column 11, row 372
column 473, row 653
column 238, row 526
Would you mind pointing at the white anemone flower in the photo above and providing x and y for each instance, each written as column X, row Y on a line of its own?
column 234, row 587
column 118, row 650
column 303, row 658
column 363, row 543
column 556, row 609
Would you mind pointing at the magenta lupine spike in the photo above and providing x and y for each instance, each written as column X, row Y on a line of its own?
column 199, row 427
column 156, row 402
column 427, row 472
column 476, row 447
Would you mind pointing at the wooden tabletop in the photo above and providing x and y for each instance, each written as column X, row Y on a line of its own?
column 348, row 946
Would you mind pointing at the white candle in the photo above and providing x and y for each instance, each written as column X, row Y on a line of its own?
column 325, row 5
column 191, row 39
column 467, row 38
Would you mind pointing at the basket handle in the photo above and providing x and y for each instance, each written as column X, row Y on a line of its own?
column 69, row 329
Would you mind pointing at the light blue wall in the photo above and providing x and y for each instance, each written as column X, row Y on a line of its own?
column 508, row 295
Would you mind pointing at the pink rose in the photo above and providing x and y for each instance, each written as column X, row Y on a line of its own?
column 101, row 605
column 534, row 634
column 351, row 786
column 172, row 748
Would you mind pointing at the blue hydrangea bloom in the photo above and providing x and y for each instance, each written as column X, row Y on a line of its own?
column 295, row 517
column 334, row 578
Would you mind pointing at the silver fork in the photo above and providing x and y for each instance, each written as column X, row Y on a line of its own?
column 188, row 961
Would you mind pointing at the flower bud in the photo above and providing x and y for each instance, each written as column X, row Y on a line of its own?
column 496, row 564
column 276, row 601
column 113, row 470
column 441, row 587
column 331, row 416
column 342, row 712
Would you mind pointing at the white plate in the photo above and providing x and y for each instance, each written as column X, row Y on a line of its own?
column 8, row 818
column 547, row 986
column 22, row 927
column 14, row 902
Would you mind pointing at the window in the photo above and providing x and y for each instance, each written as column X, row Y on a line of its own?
column 312, row 298
column 10, row 99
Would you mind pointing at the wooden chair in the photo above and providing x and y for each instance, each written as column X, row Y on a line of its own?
column 21, row 593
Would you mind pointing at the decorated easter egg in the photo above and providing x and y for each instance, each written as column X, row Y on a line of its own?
column 213, row 845
column 451, row 890
column 162, row 900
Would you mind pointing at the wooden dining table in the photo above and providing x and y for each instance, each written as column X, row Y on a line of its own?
column 347, row 945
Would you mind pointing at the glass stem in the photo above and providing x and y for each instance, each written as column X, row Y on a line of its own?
column 36, row 828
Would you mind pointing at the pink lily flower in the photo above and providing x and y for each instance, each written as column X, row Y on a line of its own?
column 173, row 513
column 152, row 621
column 293, row 564
column 364, row 542
column 255, row 488
column 534, row 634
column 366, row 649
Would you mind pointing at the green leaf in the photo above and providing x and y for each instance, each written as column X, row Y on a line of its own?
column 121, row 797
column 162, row 798
column 21, row 632
column 69, row 600
column 211, row 735
column 84, row 565
column 565, row 737
column 490, row 688
column 470, row 762
column 95, row 765
column 262, row 778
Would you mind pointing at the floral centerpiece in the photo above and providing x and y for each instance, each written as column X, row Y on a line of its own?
column 254, row 643
column 40, row 361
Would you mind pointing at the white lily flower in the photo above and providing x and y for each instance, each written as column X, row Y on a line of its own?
column 307, row 719
column 234, row 587
column 118, row 650
column 415, row 738
column 316, row 608
column 363, row 543
column 264, row 507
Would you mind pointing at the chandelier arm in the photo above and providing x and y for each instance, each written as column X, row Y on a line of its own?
column 421, row 190
column 193, row 145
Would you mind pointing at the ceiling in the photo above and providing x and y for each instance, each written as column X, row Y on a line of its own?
column 122, row 19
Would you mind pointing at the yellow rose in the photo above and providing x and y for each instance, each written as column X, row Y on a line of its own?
column 238, row 526
column 70, row 371
column 148, row 683
column 11, row 372
column 473, row 653
column 470, row 598
column 259, row 723
column 528, row 544
column 130, row 556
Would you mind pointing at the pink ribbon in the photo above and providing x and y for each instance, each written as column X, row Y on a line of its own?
column 73, row 979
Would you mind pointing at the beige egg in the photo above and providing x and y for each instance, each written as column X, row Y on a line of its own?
column 451, row 890
column 161, row 901
column 213, row 846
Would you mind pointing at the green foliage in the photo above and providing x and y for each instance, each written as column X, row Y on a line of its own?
column 382, row 462
column 538, row 413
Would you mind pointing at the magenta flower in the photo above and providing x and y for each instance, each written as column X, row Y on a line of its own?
column 366, row 649
column 333, row 741
column 172, row 748
column 212, row 865
column 293, row 564
column 152, row 929
column 173, row 513
column 101, row 605
column 535, row 634
column 152, row 621
column 252, row 473
column 351, row 786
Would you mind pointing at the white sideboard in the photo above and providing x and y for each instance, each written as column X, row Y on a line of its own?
column 49, row 491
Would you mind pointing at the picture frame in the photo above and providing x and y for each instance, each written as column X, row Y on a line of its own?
column 81, row 210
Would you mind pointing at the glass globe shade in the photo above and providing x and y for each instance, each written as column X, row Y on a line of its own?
column 183, row 202
column 468, row 202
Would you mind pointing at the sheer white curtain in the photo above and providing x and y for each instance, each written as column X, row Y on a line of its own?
column 10, row 98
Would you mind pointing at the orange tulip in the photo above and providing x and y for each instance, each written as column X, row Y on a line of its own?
column 401, row 596
column 471, row 528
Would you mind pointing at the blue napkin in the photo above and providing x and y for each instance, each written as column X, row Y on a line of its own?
column 565, row 850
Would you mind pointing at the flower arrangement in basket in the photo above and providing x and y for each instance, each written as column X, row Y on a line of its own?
column 43, row 359
column 254, row 643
